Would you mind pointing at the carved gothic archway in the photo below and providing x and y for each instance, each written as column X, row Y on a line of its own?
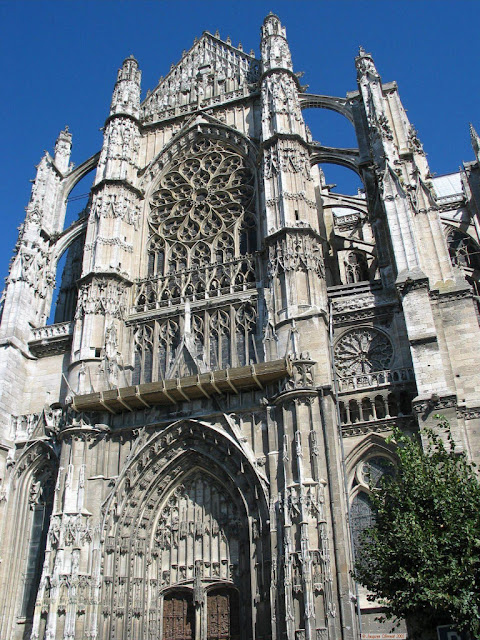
column 188, row 516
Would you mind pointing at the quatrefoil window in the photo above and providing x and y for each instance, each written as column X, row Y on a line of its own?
column 206, row 195
column 362, row 351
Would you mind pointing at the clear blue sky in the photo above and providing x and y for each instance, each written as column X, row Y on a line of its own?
column 60, row 58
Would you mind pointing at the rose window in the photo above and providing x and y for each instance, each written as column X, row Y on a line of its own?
column 363, row 351
column 207, row 195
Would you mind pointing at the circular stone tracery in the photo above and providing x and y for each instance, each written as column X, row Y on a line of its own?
column 201, row 196
column 363, row 351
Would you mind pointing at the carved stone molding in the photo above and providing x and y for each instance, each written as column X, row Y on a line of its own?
column 472, row 413
column 116, row 202
column 286, row 156
column 293, row 251
column 102, row 296
column 435, row 403
column 191, row 82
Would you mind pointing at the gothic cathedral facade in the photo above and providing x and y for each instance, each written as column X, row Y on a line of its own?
column 185, row 451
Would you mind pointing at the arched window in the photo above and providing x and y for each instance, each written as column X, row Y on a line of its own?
column 361, row 517
column 367, row 475
column 356, row 267
column 463, row 250
column 41, row 502
column 70, row 268
column 205, row 199
column 220, row 351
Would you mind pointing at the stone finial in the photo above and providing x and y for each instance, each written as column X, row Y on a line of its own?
column 365, row 64
column 475, row 140
column 63, row 149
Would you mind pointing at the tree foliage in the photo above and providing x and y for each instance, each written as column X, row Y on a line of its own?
column 421, row 559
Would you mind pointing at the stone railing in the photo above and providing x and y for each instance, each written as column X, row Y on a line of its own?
column 51, row 340
column 375, row 379
column 194, row 284
column 58, row 330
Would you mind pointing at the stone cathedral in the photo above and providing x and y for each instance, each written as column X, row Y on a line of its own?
column 187, row 449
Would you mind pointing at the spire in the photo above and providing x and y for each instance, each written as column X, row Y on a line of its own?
column 274, row 45
column 126, row 95
column 475, row 142
column 63, row 148
column 365, row 64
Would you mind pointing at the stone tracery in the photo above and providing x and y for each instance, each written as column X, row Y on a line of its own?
column 202, row 227
column 205, row 200
column 363, row 350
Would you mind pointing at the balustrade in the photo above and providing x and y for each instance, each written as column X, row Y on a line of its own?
column 56, row 330
column 195, row 284
column 375, row 379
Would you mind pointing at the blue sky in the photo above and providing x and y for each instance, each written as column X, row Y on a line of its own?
column 60, row 58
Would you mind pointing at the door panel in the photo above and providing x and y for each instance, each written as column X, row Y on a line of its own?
column 222, row 615
column 178, row 617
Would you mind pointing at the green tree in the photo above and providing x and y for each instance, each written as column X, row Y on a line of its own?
column 421, row 558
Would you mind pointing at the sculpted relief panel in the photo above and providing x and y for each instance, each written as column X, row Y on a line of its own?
column 198, row 532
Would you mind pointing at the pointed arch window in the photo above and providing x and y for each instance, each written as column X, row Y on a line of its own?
column 207, row 195
column 362, row 517
column 368, row 474
column 356, row 267
column 41, row 499
column 463, row 250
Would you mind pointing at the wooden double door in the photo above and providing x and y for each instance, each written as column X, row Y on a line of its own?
column 222, row 616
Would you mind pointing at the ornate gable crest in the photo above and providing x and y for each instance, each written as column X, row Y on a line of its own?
column 211, row 72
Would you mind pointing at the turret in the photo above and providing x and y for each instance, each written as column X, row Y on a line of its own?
column 118, row 159
column 107, row 262
column 126, row 95
column 274, row 46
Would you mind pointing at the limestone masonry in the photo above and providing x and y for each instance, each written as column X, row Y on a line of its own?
column 185, row 452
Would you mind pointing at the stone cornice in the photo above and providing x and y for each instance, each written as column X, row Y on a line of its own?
column 118, row 183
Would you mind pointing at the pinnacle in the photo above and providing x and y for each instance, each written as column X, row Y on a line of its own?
column 131, row 58
column 271, row 15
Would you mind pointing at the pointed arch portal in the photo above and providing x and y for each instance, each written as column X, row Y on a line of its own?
column 179, row 563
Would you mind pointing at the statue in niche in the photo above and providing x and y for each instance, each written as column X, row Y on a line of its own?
column 111, row 355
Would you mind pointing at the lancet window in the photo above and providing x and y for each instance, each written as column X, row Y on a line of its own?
column 179, row 346
column 40, row 501
column 367, row 475
column 68, row 292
